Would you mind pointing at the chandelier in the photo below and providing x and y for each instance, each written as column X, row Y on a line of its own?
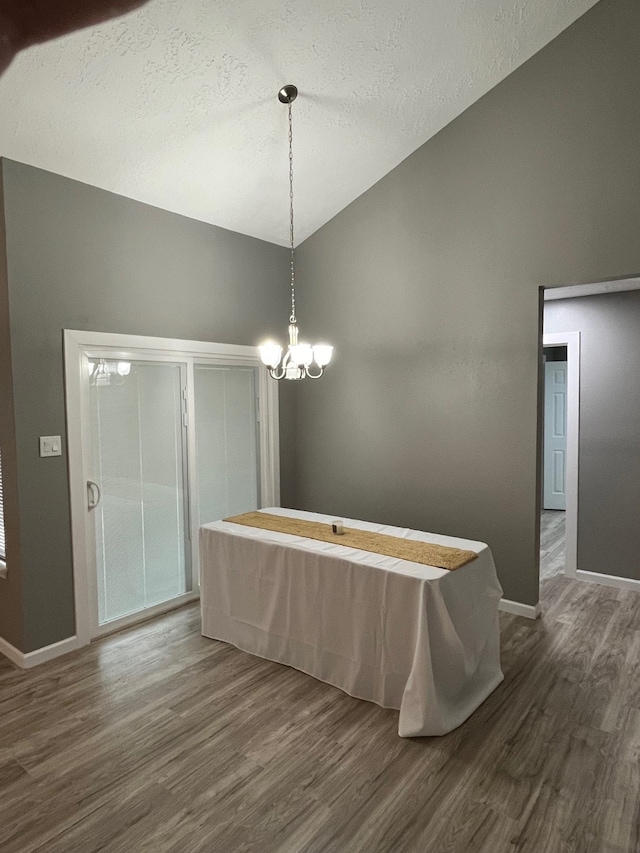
column 300, row 360
column 105, row 372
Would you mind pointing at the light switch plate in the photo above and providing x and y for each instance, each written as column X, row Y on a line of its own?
column 50, row 445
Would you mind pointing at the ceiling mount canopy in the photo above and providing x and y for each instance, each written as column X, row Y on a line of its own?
column 300, row 360
column 288, row 94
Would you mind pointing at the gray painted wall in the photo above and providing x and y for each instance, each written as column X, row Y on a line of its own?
column 82, row 258
column 609, row 444
column 428, row 286
column 11, row 585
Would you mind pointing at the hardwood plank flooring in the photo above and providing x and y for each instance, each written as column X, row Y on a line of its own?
column 156, row 740
column 552, row 536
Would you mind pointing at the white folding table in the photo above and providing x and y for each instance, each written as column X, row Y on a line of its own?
column 422, row 640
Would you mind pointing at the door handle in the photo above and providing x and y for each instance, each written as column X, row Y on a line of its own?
column 93, row 494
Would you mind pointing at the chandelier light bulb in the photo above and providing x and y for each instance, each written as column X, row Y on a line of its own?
column 270, row 353
column 322, row 354
column 302, row 355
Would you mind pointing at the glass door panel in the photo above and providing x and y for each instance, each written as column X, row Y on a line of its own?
column 139, row 451
column 227, row 459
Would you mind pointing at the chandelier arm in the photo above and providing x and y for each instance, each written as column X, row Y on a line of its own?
column 274, row 374
column 314, row 375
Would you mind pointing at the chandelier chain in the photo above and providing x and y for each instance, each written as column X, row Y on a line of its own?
column 292, row 319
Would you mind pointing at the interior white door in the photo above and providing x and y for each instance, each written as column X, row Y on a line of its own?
column 137, row 492
column 555, row 434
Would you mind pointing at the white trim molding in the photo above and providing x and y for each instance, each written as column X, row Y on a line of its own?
column 530, row 611
column 46, row 653
column 572, row 342
column 149, row 613
column 573, row 290
column 608, row 580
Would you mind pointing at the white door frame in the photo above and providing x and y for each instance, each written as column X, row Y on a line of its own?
column 132, row 347
column 572, row 342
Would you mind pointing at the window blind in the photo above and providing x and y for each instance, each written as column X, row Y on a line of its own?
column 3, row 553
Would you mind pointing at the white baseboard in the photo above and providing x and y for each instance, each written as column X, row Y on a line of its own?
column 608, row 580
column 11, row 652
column 26, row 661
column 531, row 611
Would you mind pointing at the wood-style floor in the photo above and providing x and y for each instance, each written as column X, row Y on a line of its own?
column 156, row 740
column 552, row 537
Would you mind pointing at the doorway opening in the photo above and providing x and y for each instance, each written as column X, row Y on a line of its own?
column 554, row 462
column 589, row 404
column 560, row 435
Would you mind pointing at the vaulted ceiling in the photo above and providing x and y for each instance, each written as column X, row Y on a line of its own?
column 176, row 105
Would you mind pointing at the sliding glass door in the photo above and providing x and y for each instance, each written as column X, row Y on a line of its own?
column 138, row 486
column 171, row 441
column 163, row 436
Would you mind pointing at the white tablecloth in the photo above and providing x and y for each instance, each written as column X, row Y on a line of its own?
column 418, row 639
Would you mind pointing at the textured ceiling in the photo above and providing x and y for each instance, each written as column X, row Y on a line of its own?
column 176, row 105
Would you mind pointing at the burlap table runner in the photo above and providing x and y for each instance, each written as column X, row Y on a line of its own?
column 426, row 553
